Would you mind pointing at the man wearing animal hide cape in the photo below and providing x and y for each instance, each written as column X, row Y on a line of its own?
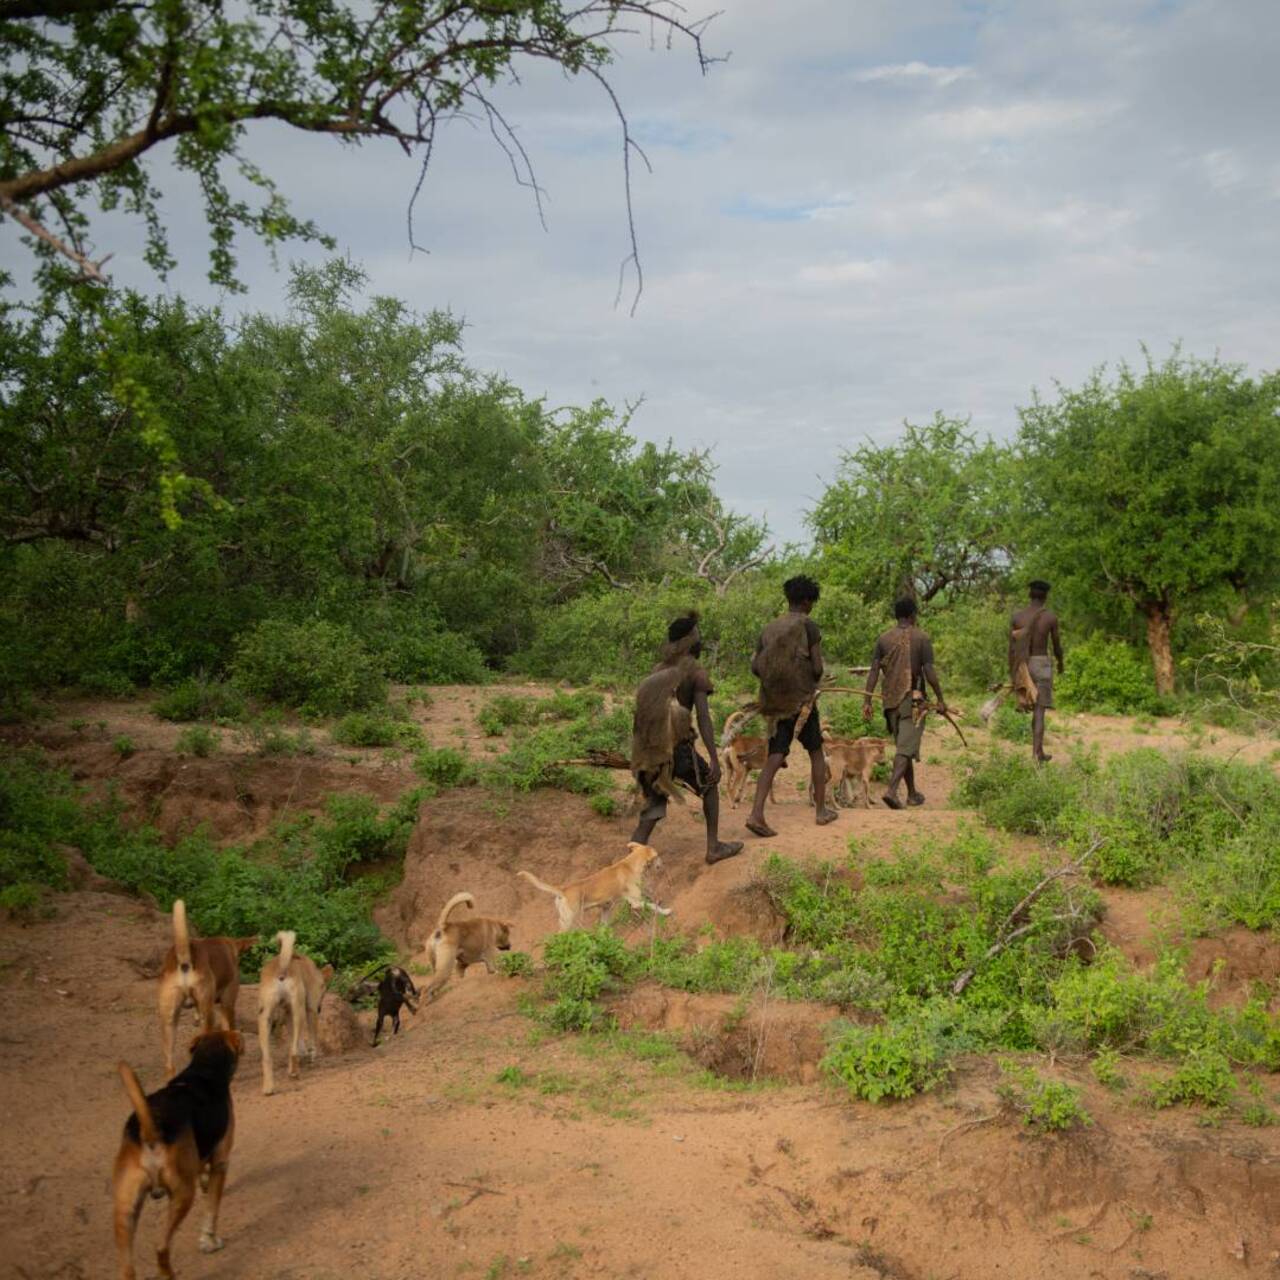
column 663, row 756
column 788, row 663
column 1032, row 630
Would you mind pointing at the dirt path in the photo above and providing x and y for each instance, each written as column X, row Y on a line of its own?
column 590, row 1157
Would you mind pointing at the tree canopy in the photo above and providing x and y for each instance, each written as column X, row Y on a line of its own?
column 929, row 515
column 90, row 89
column 1160, row 487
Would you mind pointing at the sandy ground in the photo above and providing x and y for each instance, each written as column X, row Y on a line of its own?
column 595, row 1157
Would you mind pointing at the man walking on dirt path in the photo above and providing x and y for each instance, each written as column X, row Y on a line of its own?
column 788, row 664
column 1031, row 631
column 663, row 755
column 905, row 655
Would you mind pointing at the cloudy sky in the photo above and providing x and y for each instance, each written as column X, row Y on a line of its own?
column 874, row 210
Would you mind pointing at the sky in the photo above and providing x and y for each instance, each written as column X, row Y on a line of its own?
column 871, row 212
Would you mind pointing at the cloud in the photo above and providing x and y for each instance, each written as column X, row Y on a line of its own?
column 850, row 271
column 912, row 73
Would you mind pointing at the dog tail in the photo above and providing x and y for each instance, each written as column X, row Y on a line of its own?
column 286, row 938
column 146, row 1121
column 181, row 936
column 456, row 901
column 539, row 884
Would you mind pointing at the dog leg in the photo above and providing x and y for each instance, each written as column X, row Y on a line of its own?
column 210, row 1241
column 568, row 916
column 130, row 1190
column 377, row 1029
column 266, row 1006
column 640, row 902
column 170, row 1012
column 313, row 1032
column 181, row 1198
column 297, row 1015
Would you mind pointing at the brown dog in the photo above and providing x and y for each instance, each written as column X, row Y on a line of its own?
column 204, row 972
column 849, row 759
column 176, row 1137
column 743, row 755
column 621, row 880
column 291, row 982
column 456, row 944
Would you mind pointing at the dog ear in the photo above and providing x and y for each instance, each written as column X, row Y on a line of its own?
column 633, row 845
column 235, row 1040
column 327, row 973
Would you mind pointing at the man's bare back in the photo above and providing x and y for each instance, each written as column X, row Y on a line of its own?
column 1044, row 629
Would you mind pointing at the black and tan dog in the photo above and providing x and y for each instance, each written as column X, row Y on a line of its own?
column 176, row 1137
column 204, row 972
column 394, row 992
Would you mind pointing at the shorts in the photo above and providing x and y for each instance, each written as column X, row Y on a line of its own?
column 906, row 733
column 1040, row 668
column 687, row 766
column 784, row 732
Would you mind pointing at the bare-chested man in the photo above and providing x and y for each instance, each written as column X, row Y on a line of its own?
column 663, row 755
column 788, row 664
column 905, row 656
column 1031, row 631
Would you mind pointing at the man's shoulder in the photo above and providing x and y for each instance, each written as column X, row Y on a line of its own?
column 813, row 631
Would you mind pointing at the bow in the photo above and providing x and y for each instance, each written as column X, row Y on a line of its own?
column 925, row 707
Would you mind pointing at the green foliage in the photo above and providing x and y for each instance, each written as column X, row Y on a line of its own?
column 515, row 964
column 1011, row 793
column 22, row 901
column 928, row 514
column 267, row 735
column 1107, row 676
column 444, row 767
column 1160, row 488
column 200, row 699
column 295, row 878
column 123, row 746
column 1011, row 724
column 1203, row 1076
column 605, row 803
column 321, row 667
column 1048, row 1106
column 1106, row 1069
column 897, row 1059
column 198, row 740
column 372, row 729
column 582, row 965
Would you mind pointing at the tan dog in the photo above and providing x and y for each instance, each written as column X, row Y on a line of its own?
column 743, row 755
column 204, row 972
column 849, row 759
column 294, row 983
column 621, row 880
column 456, row 944
column 176, row 1137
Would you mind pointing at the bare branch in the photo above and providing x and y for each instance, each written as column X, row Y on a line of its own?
column 89, row 269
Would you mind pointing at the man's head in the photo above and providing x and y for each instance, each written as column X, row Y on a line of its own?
column 1039, row 590
column 802, row 592
column 684, row 634
column 905, row 609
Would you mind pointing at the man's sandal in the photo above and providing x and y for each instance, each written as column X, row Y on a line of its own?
column 761, row 829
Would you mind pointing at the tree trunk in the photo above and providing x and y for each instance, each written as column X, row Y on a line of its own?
column 1159, row 619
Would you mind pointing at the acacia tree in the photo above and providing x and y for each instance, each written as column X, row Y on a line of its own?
column 91, row 89
column 927, row 515
column 1162, row 488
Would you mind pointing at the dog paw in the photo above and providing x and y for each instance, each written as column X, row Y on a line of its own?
column 209, row 1243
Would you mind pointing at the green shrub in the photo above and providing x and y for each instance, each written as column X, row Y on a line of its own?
column 1011, row 792
column 123, row 746
column 1011, row 724
column 1107, row 676
column 909, row 1055
column 444, row 767
column 1203, row 1076
column 1049, row 1106
column 605, row 803
column 198, row 740
column 370, row 729
column 583, row 965
column 321, row 667
column 106, row 684
column 198, row 699
column 515, row 964
column 22, row 901
column 267, row 736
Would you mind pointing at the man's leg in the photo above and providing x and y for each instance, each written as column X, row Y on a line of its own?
column 644, row 829
column 901, row 764
column 655, row 809
column 818, row 771
column 717, row 850
column 1037, row 733
column 756, row 822
column 913, row 796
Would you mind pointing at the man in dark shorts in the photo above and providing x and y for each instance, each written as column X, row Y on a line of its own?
column 663, row 755
column 788, row 663
column 904, row 654
column 1031, row 631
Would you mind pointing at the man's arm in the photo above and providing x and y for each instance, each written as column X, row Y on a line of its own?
column 755, row 657
column 815, row 659
column 1057, row 642
column 931, row 675
column 703, row 710
column 872, row 676
column 1013, row 626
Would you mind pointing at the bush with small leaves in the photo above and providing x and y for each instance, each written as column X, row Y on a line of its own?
column 198, row 740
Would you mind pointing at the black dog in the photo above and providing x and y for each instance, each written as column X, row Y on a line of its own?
column 394, row 991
